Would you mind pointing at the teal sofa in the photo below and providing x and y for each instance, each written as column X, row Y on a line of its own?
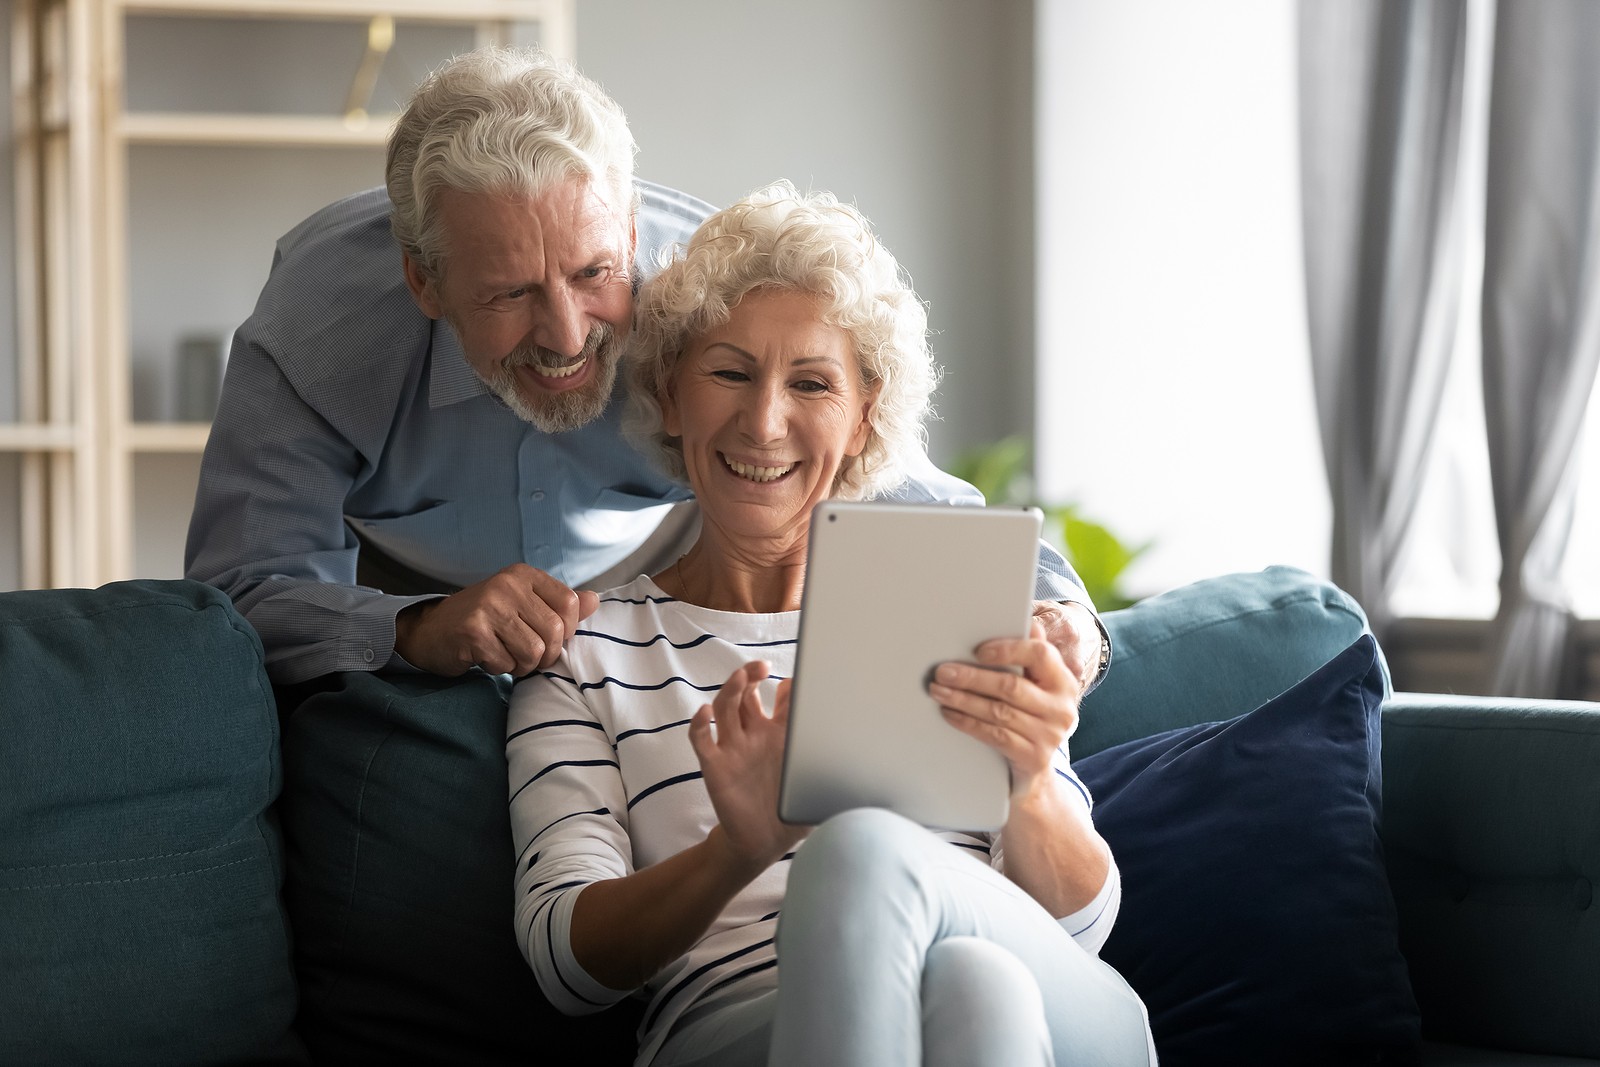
column 197, row 869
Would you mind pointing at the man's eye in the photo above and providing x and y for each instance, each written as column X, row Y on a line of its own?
column 591, row 272
column 516, row 294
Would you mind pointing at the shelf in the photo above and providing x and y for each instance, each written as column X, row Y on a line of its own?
column 168, row 436
column 36, row 437
column 414, row 10
column 173, row 128
column 91, row 483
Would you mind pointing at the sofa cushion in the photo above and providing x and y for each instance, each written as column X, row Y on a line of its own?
column 1212, row 649
column 139, row 861
column 401, row 879
column 1257, row 922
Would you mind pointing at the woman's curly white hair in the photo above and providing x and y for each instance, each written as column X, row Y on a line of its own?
column 779, row 238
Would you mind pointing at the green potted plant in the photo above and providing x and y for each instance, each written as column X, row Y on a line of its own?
column 1001, row 473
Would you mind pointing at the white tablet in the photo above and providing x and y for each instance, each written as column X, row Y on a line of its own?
column 892, row 590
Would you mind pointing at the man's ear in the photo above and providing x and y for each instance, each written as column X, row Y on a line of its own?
column 424, row 287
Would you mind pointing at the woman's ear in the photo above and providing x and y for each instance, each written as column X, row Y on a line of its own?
column 863, row 430
column 667, row 398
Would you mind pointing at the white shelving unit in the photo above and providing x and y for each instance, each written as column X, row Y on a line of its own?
column 84, row 460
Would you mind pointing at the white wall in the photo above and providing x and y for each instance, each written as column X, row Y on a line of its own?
column 916, row 110
column 1174, row 392
column 10, row 517
column 1173, row 398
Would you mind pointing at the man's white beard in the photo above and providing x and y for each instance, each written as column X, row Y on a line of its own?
column 570, row 410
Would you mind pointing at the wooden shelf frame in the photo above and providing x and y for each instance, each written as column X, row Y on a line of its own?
column 75, row 437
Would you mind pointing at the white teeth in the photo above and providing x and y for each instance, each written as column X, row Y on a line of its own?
column 560, row 372
column 757, row 474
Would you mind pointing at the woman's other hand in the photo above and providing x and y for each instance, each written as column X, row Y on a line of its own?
column 742, row 759
column 1025, row 716
column 1052, row 849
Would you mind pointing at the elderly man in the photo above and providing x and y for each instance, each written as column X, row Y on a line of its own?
column 415, row 460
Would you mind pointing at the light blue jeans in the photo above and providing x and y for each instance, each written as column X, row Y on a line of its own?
column 896, row 948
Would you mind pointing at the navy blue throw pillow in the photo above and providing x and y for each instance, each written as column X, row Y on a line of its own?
column 1257, row 921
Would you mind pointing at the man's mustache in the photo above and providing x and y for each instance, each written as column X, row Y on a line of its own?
column 533, row 355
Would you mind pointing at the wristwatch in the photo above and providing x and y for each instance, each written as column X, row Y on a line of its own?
column 1105, row 656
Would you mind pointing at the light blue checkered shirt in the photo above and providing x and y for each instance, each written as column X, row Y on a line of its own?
column 345, row 409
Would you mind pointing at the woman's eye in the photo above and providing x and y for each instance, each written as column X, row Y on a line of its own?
column 731, row 375
column 810, row 386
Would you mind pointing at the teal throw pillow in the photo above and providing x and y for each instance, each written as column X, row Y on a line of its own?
column 1211, row 649
column 401, row 881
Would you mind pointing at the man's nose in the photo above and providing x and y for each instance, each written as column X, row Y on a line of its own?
column 563, row 327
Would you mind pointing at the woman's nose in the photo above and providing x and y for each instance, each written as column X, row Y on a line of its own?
column 767, row 416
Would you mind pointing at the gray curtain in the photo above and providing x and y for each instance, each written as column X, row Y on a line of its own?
column 1541, row 316
column 1380, row 122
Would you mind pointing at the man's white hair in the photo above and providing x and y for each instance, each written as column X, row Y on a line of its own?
column 501, row 120
column 780, row 239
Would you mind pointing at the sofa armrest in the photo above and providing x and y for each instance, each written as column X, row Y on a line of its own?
column 140, row 860
column 1491, row 829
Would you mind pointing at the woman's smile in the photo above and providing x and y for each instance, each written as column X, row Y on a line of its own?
column 755, row 471
column 768, row 407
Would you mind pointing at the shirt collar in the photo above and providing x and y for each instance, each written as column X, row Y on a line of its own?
column 451, row 378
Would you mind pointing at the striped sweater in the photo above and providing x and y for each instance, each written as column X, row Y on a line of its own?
column 603, row 782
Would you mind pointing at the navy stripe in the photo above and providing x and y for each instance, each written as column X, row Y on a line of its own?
column 1103, row 906
column 555, row 961
column 563, row 763
column 764, row 965
column 1087, row 799
column 646, row 600
column 652, row 730
column 697, row 642
column 537, row 886
column 608, row 680
column 662, row 785
column 984, row 849
column 564, row 818
column 554, row 722
column 678, row 986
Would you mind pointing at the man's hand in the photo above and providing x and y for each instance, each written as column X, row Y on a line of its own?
column 513, row 622
column 1071, row 628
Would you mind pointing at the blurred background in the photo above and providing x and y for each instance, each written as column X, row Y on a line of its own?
column 1101, row 203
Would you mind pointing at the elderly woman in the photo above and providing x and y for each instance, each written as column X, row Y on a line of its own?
column 781, row 360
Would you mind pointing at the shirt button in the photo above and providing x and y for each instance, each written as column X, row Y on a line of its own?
column 367, row 655
column 537, row 494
